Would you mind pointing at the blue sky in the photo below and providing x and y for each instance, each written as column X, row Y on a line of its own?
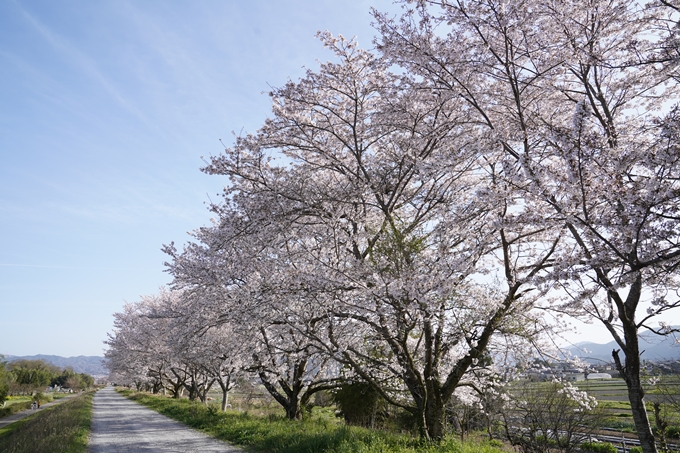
column 105, row 111
column 106, row 108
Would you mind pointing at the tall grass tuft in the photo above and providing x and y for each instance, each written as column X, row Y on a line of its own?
column 63, row 428
column 278, row 435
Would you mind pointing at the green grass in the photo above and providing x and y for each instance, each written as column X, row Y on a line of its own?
column 62, row 428
column 614, row 404
column 317, row 434
column 16, row 404
column 17, row 399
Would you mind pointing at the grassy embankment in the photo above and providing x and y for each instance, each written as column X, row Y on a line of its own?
column 16, row 404
column 63, row 428
column 321, row 432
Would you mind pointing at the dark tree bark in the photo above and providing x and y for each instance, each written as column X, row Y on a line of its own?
column 630, row 370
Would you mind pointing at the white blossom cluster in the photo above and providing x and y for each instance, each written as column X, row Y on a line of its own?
column 580, row 397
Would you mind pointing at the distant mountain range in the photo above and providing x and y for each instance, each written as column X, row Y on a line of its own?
column 654, row 347
column 82, row 364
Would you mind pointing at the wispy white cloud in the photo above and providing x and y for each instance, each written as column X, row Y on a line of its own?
column 86, row 64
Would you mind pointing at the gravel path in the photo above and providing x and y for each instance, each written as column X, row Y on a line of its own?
column 121, row 425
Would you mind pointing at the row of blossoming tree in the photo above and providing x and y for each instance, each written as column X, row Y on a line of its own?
column 408, row 212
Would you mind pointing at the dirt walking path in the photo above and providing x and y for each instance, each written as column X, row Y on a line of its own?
column 123, row 426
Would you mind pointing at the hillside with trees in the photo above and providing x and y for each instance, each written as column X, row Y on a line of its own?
column 26, row 377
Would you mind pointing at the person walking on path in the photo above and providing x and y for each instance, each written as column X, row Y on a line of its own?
column 121, row 425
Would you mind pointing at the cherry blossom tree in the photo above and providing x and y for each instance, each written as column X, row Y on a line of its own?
column 144, row 349
column 363, row 217
column 554, row 416
column 137, row 352
column 187, row 343
column 218, row 351
column 225, row 352
column 291, row 367
column 271, row 325
column 576, row 99
column 173, row 340
column 411, row 227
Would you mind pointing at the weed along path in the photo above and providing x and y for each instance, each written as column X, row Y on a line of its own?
column 121, row 425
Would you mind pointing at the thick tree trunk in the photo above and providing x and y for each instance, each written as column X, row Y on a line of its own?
column 637, row 405
column 290, row 401
column 293, row 409
column 631, row 375
column 176, row 389
column 630, row 371
column 177, row 386
column 193, row 391
column 431, row 413
column 203, row 395
column 225, row 399
column 435, row 414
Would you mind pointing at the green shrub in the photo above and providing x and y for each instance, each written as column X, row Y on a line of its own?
column 322, row 399
column 599, row 447
column 673, row 432
column 545, row 441
column 4, row 391
column 360, row 404
column 635, row 450
column 14, row 408
column 42, row 397
column 495, row 443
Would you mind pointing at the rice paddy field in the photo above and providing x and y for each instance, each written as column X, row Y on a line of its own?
column 612, row 397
